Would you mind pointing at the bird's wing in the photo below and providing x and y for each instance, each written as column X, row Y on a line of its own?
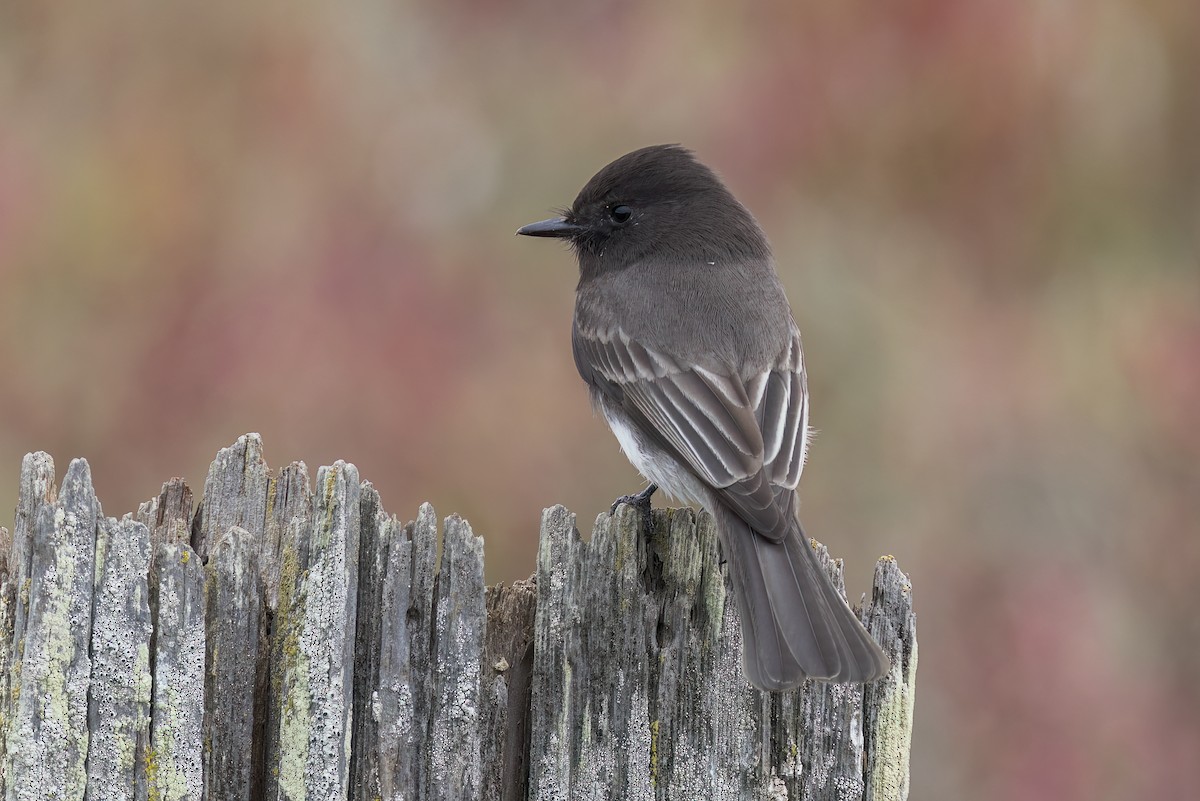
column 780, row 399
column 745, row 439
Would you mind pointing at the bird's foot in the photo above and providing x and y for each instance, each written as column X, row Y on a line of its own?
column 641, row 500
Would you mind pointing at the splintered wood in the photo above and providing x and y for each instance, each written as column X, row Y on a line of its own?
column 286, row 642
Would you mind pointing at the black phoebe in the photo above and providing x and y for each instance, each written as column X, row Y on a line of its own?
column 688, row 346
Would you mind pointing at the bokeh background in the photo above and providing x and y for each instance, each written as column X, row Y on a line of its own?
column 297, row 219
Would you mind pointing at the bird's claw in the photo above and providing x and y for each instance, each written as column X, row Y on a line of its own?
column 641, row 501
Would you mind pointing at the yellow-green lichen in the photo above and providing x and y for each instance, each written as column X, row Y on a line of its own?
column 654, row 753
column 150, row 763
column 295, row 725
column 893, row 732
column 290, row 677
column 272, row 494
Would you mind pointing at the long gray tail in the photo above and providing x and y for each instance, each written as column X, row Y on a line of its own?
column 795, row 625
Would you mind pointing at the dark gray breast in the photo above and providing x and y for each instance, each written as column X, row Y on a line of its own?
column 730, row 318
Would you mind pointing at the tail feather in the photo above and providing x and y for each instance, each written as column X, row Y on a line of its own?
column 795, row 624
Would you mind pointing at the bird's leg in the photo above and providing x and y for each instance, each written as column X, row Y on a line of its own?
column 641, row 500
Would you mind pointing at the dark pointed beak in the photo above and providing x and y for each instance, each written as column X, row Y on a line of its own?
column 555, row 226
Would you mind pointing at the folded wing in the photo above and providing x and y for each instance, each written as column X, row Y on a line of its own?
column 746, row 439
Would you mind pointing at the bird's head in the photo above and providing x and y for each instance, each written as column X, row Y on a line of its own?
column 657, row 202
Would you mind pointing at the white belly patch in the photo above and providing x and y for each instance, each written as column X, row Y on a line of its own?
column 659, row 468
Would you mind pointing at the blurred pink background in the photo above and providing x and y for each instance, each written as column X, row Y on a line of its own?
column 298, row 220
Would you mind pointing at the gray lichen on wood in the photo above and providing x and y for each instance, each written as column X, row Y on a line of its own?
column 175, row 766
column 638, row 686
column 890, row 702
column 283, row 644
column 460, row 616
column 401, row 696
column 231, row 619
column 8, row 602
column 284, row 558
column 47, row 732
column 120, row 690
column 378, row 530
column 317, row 678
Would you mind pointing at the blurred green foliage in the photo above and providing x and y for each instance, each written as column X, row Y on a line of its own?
column 297, row 220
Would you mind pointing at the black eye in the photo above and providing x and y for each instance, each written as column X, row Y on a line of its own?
column 620, row 214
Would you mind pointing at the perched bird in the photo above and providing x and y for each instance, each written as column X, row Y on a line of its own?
column 687, row 343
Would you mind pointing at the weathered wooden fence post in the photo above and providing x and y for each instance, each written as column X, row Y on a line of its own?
column 284, row 643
